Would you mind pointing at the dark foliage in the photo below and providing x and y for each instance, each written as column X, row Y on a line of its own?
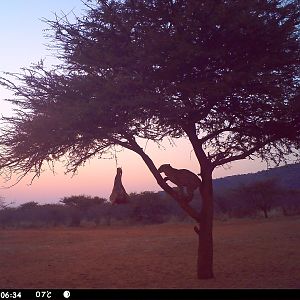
column 154, row 208
column 143, row 208
column 82, row 202
column 261, row 194
column 280, row 188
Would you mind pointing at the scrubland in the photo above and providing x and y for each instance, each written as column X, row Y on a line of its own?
column 248, row 254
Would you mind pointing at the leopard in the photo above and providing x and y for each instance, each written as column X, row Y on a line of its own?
column 183, row 178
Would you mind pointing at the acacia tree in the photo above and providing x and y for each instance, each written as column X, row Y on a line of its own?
column 4, row 205
column 224, row 74
column 262, row 194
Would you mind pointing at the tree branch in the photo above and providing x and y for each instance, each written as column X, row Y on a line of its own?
column 243, row 155
column 180, row 200
column 204, row 160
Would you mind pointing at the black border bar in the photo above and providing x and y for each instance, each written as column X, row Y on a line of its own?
column 147, row 294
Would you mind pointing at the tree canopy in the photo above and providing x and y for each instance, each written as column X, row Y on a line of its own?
column 151, row 69
column 262, row 194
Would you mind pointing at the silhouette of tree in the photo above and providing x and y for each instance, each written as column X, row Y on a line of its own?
column 82, row 202
column 29, row 205
column 79, row 205
column 290, row 201
column 3, row 204
column 148, row 207
column 262, row 194
column 224, row 74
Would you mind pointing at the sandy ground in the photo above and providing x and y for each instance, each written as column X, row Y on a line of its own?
column 248, row 254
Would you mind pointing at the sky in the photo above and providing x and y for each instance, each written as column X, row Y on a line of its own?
column 23, row 42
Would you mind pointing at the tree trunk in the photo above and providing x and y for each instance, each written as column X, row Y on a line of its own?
column 204, row 231
column 204, row 219
column 284, row 210
column 205, row 253
column 265, row 213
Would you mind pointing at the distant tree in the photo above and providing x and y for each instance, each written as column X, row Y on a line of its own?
column 290, row 201
column 149, row 207
column 6, row 218
column 261, row 194
column 82, row 202
column 28, row 205
column 223, row 204
column 3, row 204
column 233, row 203
column 79, row 205
column 54, row 214
column 224, row 74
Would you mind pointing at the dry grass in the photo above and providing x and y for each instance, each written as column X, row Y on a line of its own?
column 248, row 254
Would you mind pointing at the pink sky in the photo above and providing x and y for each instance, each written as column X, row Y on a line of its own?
column 96, row 178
